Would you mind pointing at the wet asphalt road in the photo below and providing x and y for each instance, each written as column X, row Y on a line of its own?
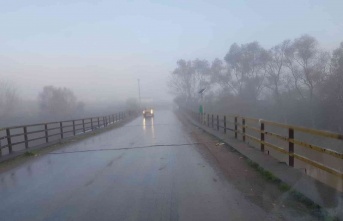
column 150, row 183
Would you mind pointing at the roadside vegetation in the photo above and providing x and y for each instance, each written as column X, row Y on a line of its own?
column 294, row 82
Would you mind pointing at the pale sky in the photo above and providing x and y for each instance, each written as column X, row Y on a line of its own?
column 100, row 48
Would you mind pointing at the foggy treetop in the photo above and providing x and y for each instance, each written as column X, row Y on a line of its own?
column 294, row 81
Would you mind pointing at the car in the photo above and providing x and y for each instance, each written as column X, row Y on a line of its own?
column 148, row 112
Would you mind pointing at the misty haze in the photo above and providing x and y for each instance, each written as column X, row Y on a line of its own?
column 171, row 110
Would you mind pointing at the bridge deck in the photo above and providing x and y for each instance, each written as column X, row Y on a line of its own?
column 122, row 175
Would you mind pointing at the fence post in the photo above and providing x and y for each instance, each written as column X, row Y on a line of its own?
column 83, row 126
column 46, row 133
column 61, row 129
column 212, row 121
column 74, row 132
column 291, row 147
column 103, row 121
column 243, row 128
column 208, row 120
column 217, row 122
column 262, row 135
column 92, row 124
column 25, row 138
column 9, row 141
column 224, row 124
column 236, row 127
column 116, row 117
column 98, row 122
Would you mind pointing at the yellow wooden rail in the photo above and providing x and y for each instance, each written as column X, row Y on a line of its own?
column 242, row 124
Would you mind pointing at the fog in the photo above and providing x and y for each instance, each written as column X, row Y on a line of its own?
column 99, row 49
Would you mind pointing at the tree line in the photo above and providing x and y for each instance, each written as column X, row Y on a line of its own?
column 293, row 82
column 51, row 104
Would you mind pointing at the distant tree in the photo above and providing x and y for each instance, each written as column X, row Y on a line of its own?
column 247, row 69
column 8, row 99
column 58, row 101
column 309, row 67
column 188, row 78
column 331, row 92
column 276, row 76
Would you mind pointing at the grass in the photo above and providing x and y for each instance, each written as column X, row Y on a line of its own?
column 30, row 154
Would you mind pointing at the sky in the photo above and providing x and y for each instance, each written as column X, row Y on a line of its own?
column 100, row 48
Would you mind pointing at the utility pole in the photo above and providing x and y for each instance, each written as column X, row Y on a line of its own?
column 139, row 95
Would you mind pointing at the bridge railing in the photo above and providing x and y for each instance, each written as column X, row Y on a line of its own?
column 288, row 143
column 18, row 138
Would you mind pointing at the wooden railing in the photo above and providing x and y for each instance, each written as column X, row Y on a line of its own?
column 238, row 125
column 18, row 138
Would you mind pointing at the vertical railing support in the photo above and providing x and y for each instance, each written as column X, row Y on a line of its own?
column 224, row 124
column 26, row 138
column 218, row 122
column 91, row 123
column 61, row 129
column 262, row 135
column 208, row 120
column 83, row 126
column 46, row 133
column 291, row 147
column 98, row 122
column 74, row 131
column 243, row 128
column 212, row 121
column 236, row 127
column 9, row 141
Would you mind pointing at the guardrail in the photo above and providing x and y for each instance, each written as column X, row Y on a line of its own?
column 240, row 126
column 19, row 138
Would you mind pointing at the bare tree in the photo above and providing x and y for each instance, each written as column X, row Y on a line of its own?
column 247, row 68
column 8, row 99
column 188, row 78
column 331, row 92
column 308, row 66
column 58, row 101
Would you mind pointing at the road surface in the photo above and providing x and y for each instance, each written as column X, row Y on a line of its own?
column 122, row 175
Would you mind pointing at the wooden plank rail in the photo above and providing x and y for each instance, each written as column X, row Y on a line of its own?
column 240, row 125
column 44, row 132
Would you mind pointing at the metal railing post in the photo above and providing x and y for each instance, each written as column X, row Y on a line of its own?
column 26, row 138
column 91, row 123
column 74, row 132
column 291, row 147
column 236, row 127
column 262, row 136
column 83, row 126
column 243, row 128
column 224, row 124
column 46, row 133
column 61, row 129
column 9, row 141
column 212, row 121
column 217, row 122
column 98, row 122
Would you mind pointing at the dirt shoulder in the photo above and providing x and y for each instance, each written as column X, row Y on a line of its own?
column 258, row 186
